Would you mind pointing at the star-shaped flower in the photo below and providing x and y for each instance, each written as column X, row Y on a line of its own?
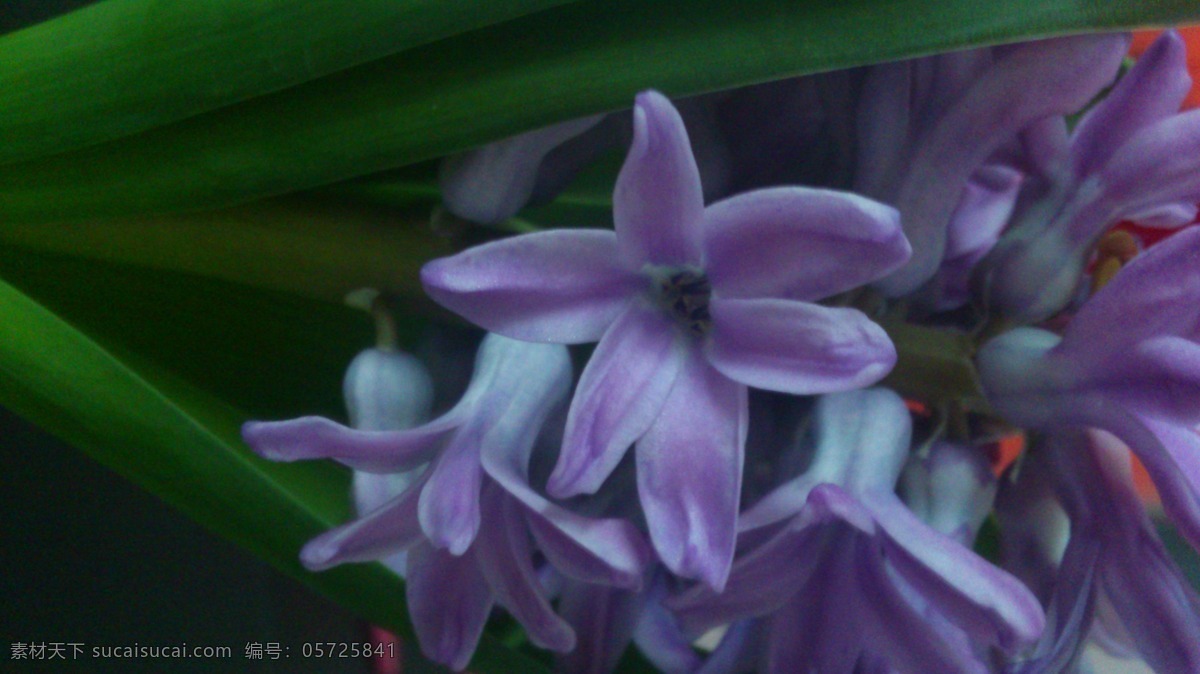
column 691, row 304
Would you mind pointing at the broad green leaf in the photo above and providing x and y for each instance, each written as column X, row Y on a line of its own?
column 122, row 66
column 183, row 445
column 564, row 62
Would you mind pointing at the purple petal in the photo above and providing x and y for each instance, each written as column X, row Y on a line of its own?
column 563, row 286
column 760, row 581
column 605, row 551
column 986, row 203
column 1069, row 614
column 1157, row 167
column 619, row 396
column 976, row 596
column 897, row 633
column 1153, row 89
column 604, row 619
column 738, row 651
column 449, row 504
column 1158, row 293
column 809, row 634
column 492, row 183
column 658, row 636
column 1157, row 605
column 449, row 601
column 506, row 559
column 1055, row 76
column 689, row 472
column 657, row 201
column 796, row 347
column 386, row 530
column 369, row 451
column 1171, row 454
column 602, row 551
column 884, row 124
column 799, row 243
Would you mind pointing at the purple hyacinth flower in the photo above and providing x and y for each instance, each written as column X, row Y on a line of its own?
column 471, row 520
column 491, row 183
column 927, row 125
column 951, row 489
column 848, row 577
column 982, row 212
column 1148, row 603
column 385, row 389
column 1133, row 156
column 1128, row 362
column 691, row 305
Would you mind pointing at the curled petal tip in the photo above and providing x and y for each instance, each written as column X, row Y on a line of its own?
column 318, row 555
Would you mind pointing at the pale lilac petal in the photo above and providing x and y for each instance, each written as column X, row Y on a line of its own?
column 951, row 489
column 618, row 397
column 370, row 451
column 796, row 347
column 603, row 551
column 780, row 503
column 506, row 559
column 1153, row 89
column 387, row 390
column 371, row 490
column 983, row 211
column 689, row 472
column 987, row 201
column 863, row 439
column 449, row 504
column 974, row 595
column 657, row 200
column 799, row 243
column 604, row 619
column 563, row 286
column 1167, row 216
column 386, row 530
column 493, row 182
column 449, row 601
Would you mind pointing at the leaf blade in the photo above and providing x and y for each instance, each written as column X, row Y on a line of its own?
column 458, row 92
column 162, row 62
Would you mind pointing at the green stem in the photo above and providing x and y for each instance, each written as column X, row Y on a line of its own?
column 934, row 366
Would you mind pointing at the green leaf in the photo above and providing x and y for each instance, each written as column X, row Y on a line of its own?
column 118, row 67
column 319, row 248
column 565, row 62
column 183, row 445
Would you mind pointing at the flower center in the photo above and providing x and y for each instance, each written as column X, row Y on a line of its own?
column 684, row 294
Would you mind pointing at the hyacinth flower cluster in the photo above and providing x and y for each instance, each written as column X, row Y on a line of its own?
column 822, row 303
